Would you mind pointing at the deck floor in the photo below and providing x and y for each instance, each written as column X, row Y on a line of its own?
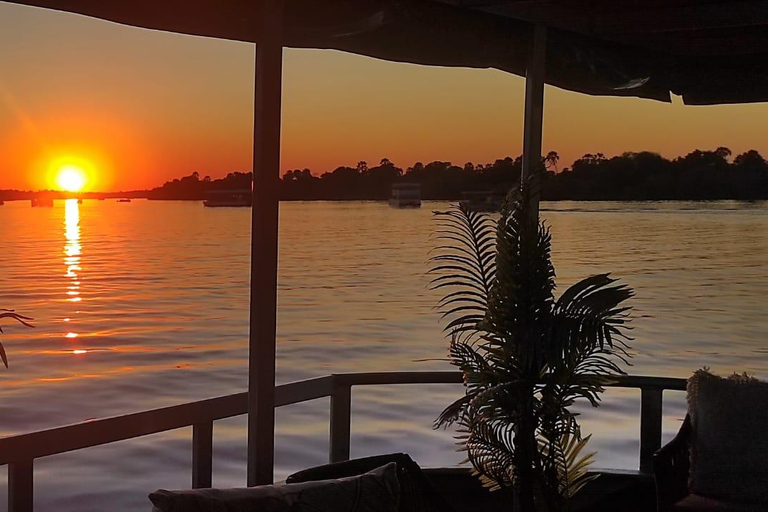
column 610, row 492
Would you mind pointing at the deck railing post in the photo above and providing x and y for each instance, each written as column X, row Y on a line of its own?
column 202, row 455
column 264, row 241
column 535, row 76
column 341, row 421
column 20, row 486
column 650, row 426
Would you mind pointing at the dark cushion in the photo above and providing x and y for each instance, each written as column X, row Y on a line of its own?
column 696, row 503
column 729, row 439
column 417, row 494
column 374, row 491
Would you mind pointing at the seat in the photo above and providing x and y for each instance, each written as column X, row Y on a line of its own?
column 717, row 462
column 417, row 493
column 671, row 465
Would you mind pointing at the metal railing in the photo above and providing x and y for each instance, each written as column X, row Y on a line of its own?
column 19, row 452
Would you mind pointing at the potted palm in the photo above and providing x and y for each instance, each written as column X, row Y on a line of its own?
column 7, row 313
column 526, row 356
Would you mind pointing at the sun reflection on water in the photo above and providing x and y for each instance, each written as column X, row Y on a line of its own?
column 72, row 254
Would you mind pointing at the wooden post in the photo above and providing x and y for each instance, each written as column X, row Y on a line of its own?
column 202, row 455
column 264, row 227
column 21, row 486
column 651, row 408
column 341, row 422
column 534, row 115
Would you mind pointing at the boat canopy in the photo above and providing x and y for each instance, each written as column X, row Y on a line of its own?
column 707, row 51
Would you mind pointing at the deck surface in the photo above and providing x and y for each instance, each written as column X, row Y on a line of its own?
column 610, row 492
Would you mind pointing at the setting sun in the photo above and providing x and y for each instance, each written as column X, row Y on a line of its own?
column 71, row 178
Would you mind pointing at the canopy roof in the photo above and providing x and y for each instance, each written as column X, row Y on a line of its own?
column 708, row 51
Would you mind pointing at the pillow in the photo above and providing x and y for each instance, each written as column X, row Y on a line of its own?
column 375, row 491
column 417, row 493
column 729, row 438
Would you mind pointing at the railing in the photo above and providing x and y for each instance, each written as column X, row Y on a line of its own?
column 19, row 452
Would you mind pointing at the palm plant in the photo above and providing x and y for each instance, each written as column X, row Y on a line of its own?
column 8, row 313
column 526, row 356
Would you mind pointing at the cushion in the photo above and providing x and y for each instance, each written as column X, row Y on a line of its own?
column 417, row 494
column 729, row 438
column 375, row 491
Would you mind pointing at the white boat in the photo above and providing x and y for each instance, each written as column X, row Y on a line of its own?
column 405, row 195
column 229, row 199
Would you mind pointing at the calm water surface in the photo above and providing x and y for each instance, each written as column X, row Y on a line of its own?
column 144, row 305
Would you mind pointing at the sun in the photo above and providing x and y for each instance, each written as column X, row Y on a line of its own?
column 71, row 178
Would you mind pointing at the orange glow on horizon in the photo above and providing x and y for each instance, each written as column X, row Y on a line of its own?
column 140, row 122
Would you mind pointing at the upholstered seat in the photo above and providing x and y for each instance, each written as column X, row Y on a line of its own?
column 718, row 461
column 373, row 491
column 417, row 494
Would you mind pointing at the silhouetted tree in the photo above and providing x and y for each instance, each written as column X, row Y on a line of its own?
column 630, row 176
column 550, row 161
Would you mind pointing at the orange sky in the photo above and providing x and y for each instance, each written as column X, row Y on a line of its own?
column 144, row 107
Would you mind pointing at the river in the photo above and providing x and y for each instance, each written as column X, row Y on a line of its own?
column 145, row 304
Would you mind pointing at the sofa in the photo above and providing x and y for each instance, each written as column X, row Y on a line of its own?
column 718, row 461
column 385, row 483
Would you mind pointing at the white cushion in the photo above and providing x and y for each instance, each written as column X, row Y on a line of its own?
column 375, row 491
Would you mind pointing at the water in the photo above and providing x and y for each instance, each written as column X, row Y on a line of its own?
column 144, row 305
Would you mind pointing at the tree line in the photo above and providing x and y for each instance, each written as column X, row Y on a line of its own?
column 699, row 175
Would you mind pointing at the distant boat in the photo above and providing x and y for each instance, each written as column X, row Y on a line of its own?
column 229, row 199
column 123, row 200
column 42, row 202
column 405, row 195
column 482, row 201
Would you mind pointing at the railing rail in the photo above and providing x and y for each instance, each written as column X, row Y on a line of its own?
column 19, row 452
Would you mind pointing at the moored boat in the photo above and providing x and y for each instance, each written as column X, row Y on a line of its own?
column 405, row 195
column 229, row 199
column 482, row 201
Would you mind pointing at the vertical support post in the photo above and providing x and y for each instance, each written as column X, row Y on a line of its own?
column 534, row 117
column 264, row 233
column 650, row 426
column 202, row 455
column 21, row 486
column 341, row 421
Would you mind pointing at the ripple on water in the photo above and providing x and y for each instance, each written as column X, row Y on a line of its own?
column 162, row 318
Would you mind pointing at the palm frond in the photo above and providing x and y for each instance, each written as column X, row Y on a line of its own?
column 23, row 320
column 521, row 300
column 491, row 451
column 464, row 263
column 526, row 358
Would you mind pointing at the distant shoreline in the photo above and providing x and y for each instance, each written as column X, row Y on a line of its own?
column 698, row 176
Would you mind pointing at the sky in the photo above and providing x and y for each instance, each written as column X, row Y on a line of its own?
column 135, row 108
